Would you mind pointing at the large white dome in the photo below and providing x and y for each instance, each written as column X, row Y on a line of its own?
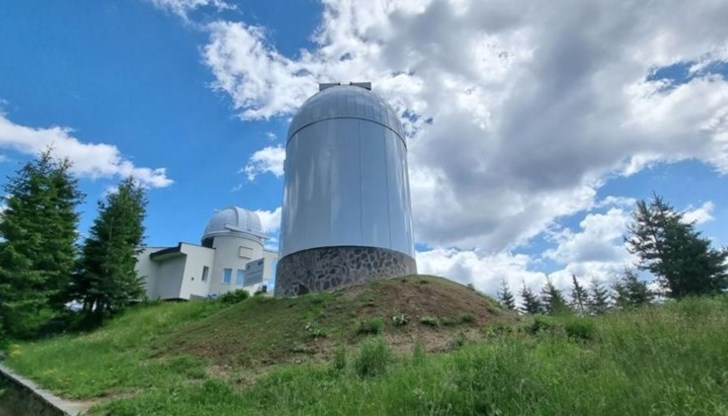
column 346, row 101
column 233, row 219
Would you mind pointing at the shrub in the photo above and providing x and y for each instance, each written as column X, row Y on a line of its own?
column 583, row 329
column 498, row 329
column 339, row 362
column 430, row 321
column 373, row 359
column 466, row 318
column 459, row 339
column 315, row 330
column 371, row 326
column 541, row 324
column 235, row 296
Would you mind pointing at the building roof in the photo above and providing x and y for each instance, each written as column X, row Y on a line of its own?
column 233, row 219
column 345, row 101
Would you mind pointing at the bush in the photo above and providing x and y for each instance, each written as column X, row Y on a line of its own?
column 235, row 296
column 430, row 321
column 541, row 324
column 373, row 359
column 371, row 326
column 582, row 329
column 315, row 330
column 466, row 318
column 498, row 329
column 339, row 362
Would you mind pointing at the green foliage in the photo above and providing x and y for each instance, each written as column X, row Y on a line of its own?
column 373, row 359
column 631, row 292
column 552, row 300
column 466, row 318
column 234, row 296
column 37, row 248
column 598, row 298
column 430, row 321
column 672, row 250
column 373, row 325
column 579, row 297
column 531, row 302
column 505, row 296
column 543, row 324
column 580, row 328
column 340, row 359
column 315, row 330
column 106, row 281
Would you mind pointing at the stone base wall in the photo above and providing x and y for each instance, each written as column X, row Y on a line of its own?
column 326, row 268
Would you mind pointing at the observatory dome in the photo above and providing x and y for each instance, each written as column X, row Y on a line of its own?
column 346, row 101
column 233, row 219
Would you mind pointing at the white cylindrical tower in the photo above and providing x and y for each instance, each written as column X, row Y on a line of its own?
column 237, row 237
column 346, row 202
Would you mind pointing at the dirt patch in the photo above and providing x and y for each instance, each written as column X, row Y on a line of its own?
column 264, row 332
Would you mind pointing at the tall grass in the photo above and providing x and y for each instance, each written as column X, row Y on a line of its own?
column 659, row 360
column 116, row 358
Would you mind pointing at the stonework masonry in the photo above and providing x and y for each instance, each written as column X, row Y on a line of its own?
column 327, row 268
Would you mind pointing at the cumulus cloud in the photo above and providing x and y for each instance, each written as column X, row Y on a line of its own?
column 528, row 106
column 270, row 220
column 94, row 160
column 266, row 160
column 183, row 8
column 699, row 215
column 516, row 113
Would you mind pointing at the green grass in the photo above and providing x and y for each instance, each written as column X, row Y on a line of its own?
column 666, row 360
column 660, row 360
column 117, row 358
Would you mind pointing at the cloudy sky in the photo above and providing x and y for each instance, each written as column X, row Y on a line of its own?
column 533, row 126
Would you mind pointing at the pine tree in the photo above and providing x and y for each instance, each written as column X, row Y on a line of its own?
column 531, row 302
column 630, row 291
column 673, row 251
column 552, row 299
column 106, row 281
column 505, row 296
column 39, row 250
column 598, row 298
column 579, row 297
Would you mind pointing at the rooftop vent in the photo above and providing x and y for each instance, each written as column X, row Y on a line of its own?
column 365, row 85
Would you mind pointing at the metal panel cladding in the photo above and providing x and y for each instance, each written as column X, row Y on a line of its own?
column 346, row 180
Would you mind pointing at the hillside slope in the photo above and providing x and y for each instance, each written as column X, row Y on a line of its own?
column 425, row 309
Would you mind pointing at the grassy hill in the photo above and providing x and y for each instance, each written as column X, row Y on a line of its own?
column 420, row 345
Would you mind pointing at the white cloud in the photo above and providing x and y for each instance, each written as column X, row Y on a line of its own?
column 268, row 159
column 183, row 8
column 699, row 215
column 532, row 106
column 485, row 272
column 94, row 160
column 270, row 220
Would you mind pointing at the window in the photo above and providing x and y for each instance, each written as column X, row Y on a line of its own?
column 227, row 276
column 240, row 277
column 205, row 272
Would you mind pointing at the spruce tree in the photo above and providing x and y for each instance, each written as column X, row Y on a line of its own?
column 505, row 296
column 598, row 298
column 630, row 292
column 106, row 281
column 38, row 251
column 552, row 299
column 674, row 252
column 531, row 302
column 579, row 297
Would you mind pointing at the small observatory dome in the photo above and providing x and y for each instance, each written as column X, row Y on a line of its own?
column 346, row 203
column 233, row 220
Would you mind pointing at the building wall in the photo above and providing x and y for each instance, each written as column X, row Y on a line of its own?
column 169, row 280
column 192, row 284
column 232, row 251
column 148, row 271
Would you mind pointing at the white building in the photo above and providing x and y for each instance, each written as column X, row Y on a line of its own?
column 231, row 256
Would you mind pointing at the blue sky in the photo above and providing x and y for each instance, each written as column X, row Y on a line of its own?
column 540, row 132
